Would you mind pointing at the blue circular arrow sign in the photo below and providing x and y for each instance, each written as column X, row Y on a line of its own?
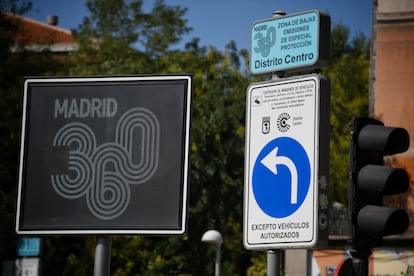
column 281, row 177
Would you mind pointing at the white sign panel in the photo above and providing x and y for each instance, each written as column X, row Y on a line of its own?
column 281, row 166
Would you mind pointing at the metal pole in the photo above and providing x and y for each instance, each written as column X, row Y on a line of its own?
column 360, row 261
column 273, row 256
column 102, row 262
column 273, row 262
column 217, row 266
column 360, row 266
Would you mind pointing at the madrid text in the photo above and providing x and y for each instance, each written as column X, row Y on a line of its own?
column 85, row 107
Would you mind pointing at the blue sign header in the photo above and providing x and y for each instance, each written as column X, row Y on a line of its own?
column 289, row 43
column 28, row 247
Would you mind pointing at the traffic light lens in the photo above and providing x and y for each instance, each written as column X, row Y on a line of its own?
column 384, row 180
column 378, row 221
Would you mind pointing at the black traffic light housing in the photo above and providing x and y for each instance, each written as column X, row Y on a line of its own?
column 370, row 180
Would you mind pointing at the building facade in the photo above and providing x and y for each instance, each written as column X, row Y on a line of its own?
column 41, row 37
column 392, row 81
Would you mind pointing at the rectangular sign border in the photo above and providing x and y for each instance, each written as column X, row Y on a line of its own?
column 320, row 232
column 189, row 88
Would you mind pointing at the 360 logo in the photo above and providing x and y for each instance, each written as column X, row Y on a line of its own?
column 264, row 43
column 103, row 173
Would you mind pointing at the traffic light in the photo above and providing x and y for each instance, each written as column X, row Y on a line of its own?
column 370, row 180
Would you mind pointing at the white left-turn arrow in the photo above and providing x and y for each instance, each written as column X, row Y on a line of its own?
column 271, row 161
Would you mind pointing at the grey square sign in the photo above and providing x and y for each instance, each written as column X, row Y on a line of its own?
column 104, row 155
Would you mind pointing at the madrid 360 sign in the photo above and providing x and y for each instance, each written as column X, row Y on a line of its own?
column 104, row 155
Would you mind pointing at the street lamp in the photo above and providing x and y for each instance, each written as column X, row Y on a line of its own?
column 214, row 237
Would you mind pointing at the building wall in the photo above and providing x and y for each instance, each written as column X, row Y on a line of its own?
column 392, row 95
column 382, row 262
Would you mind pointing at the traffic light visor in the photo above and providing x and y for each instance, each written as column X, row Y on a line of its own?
column 384, row 180
column 377, row 221
column 387, row 140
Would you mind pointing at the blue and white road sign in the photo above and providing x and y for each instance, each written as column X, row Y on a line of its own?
column 281, row 165
column 277, row 186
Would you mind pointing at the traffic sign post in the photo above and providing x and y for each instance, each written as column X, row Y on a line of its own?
column 290, row 43
column 286, row 165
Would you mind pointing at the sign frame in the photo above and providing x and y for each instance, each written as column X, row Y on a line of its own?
column 279, row 51
column 257, row 219
column 179, row 86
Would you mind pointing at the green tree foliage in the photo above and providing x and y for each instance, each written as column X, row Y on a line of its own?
column 216, row 194
column 119, row 38
column 348, row 72
column 140, row 43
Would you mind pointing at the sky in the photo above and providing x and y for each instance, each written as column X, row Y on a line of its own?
column 217, row 22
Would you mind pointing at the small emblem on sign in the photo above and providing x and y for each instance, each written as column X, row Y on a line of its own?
column 266, row 125
column 264, row 43
column 282, row 122
column 257, row 101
